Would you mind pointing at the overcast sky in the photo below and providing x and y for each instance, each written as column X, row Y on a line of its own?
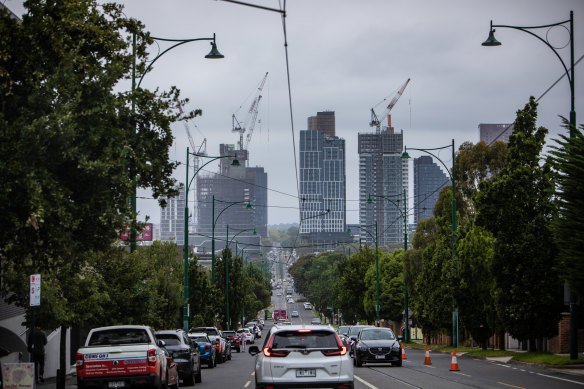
column 347, row 56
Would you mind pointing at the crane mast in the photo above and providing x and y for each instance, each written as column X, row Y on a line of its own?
column 252, row 113
column 374, row 118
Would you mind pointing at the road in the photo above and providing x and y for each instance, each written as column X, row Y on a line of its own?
column 474, row 373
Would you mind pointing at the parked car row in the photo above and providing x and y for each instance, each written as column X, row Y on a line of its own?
column 370, row 344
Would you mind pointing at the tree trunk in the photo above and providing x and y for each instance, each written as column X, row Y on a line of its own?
column 61, row 377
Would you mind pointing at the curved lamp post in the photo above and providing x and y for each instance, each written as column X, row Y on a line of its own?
column 405, row 155
column 405, row 216
column 214, row 220
column 186, row 230
column 491, row 41
column 213, row 54
column 227, row 269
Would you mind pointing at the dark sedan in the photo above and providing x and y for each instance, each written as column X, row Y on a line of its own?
column 377, row 345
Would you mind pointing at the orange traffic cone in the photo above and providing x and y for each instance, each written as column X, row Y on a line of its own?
column 403, row 352
column 454, row 363
column 427, row 360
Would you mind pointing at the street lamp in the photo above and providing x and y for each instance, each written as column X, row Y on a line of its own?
column 186, row 230
column 213, row 54
column 375, row 237
column 405, row 216
column 227, row 269
column 491, row 41
column 405, row 155
column 214, row 221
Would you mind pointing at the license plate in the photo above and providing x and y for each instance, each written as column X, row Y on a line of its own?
column 380, row 356
column 116, row 384
column 305, row 372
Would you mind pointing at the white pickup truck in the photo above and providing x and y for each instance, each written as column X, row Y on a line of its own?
column 120, row 357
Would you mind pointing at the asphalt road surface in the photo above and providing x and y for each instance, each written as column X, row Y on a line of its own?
column 474, row 373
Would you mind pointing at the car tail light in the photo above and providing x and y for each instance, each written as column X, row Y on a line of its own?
column 152, row 357
column 79, row 361
column 268, row 352
column 341, row 351
column 207, row 348
column 304, row 330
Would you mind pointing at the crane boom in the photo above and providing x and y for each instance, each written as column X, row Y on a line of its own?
column 252, row 113
column 375, row 120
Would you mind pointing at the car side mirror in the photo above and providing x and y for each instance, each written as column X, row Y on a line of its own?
column 254, row 350
column 161, row 343
column 400, row 338
column 353, row 337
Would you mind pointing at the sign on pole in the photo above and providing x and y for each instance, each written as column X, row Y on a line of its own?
column 35, row 290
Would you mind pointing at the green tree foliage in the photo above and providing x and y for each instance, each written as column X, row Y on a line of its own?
column 476, row 163
column 516, row 207
column 391, row 287
column 352, row 285
column 475, row 284
column 204, row 299
column 237, row 287
column 71, row 147
column 568, row 228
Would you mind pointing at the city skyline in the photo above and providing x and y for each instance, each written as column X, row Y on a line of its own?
column 343, row 58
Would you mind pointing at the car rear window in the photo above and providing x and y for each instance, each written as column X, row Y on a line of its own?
column 310, row 339
column 169, row 339
column 119, row 336
column 200, row 339
column 374, row 334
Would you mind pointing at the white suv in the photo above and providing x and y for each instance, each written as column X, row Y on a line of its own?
column 303, row 355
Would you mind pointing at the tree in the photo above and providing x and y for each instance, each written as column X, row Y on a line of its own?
column 72, row 148
column 569, row 226
column 204, row 299
column 353, row 285
column 516, row 207
column 475, row 284
column 390, row 287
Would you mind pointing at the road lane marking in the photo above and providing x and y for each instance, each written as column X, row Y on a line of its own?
column 562, row 379
column 365, row 382
column 431, row 367
column 511, row 386
column 466, row 375
column 247, row 384
column 253, row 373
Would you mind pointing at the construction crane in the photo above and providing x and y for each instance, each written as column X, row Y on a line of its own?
column 252, row 113
column 375, row 120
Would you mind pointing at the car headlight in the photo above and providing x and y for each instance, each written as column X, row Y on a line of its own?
column 395, row 347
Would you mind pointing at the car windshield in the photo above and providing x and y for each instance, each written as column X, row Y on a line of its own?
column 208, row 331
column 229, row 333
column 377, row 334
column 343, row 329
column 119, row 336
column 200, row 339
column 305, row 339
column 169, row 339
column 355, row 330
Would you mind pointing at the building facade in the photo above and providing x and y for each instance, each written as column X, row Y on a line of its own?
column 225, row 197
column 490, row 133
column 429, row 180
column 172, row 219
column 382, row 172
column 323, row 121
column 322, row 186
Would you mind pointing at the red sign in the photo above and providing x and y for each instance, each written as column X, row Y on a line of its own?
column 144, row 235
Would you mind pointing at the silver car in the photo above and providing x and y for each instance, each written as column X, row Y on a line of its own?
column 303, row 355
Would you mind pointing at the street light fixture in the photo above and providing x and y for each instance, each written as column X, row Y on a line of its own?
column 188, row 183
column 227, row 269
column 405, row 155
column 405, row 216
column 213, row 54
column 491, row 41
column 214, row 221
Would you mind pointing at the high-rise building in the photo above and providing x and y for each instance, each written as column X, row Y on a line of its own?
column 322, row 186
column 489, row 133
column 233, row 188
column 429, row 180
column 382, row 172
column 323, row 121
column 172, row 219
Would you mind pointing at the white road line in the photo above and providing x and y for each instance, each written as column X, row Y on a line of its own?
column 365, row 382
column 247, row 384
column 562, row 379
